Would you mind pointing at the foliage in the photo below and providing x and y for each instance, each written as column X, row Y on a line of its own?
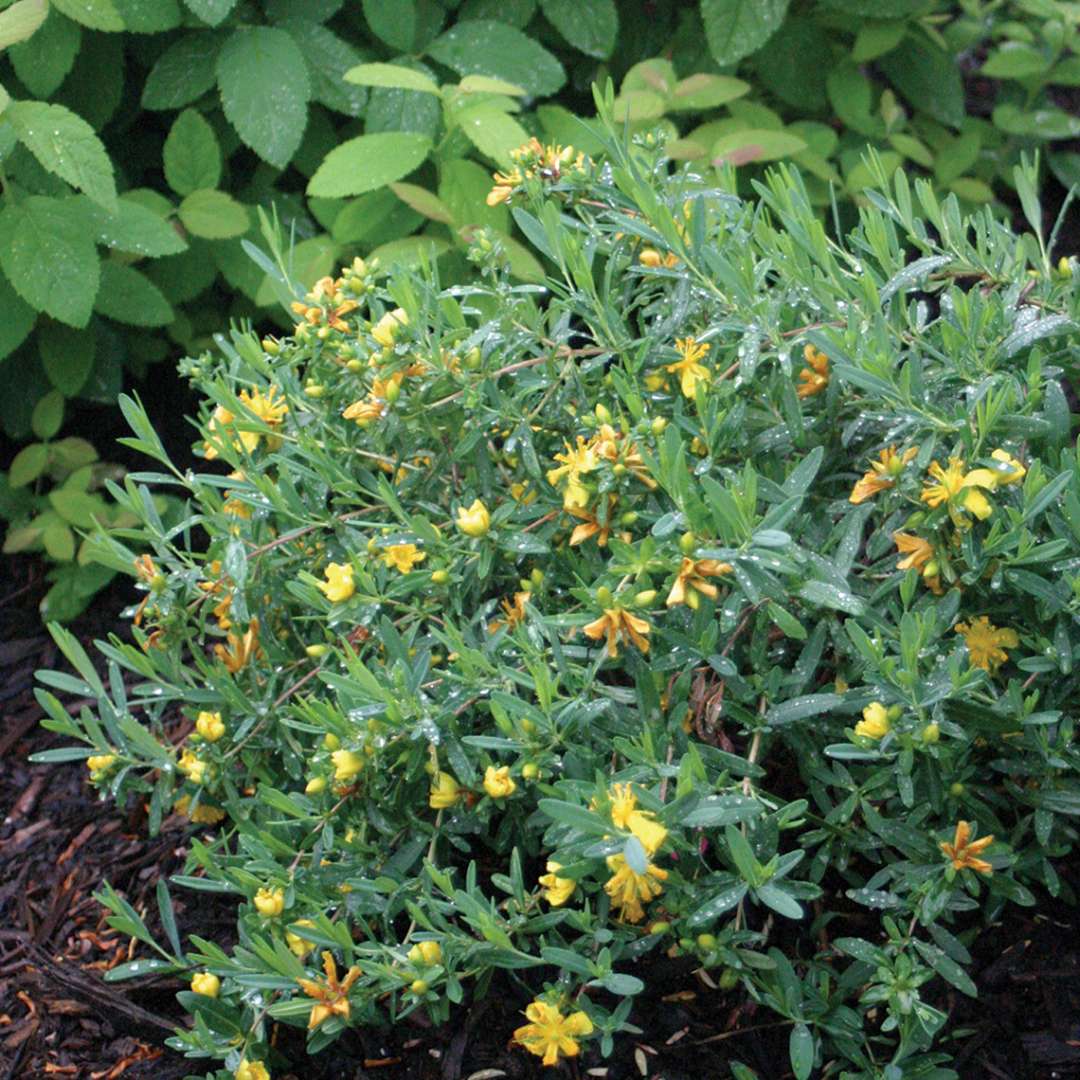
column 138, row 137
column 541, row 632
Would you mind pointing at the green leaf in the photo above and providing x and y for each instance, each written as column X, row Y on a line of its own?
column 213, row 215
column 65, row 144
column 212, row 12
column 391, row 75
column 67, row 355
column 424, row 202
column 578, row 817
column 257, row 66
column 493, row 132
column 393, row 23
column 801, row 1051
column 875, row 39
column 59, row 541
column 463, row 188
column 48, row 415
column 96, row 14
column 702, row 91
column 129, row 297
column 77, row 507
column 929, row 78
column 149, row 16
column 410, row 251
column 28, row 464
column 18, row 320
column 134, row 229
column 591, row 27
column 755, row 144
column 1015, row 60
column 191, row 155
column 782, row 67
column 737, row 28
column 21, row 21
column 309, row 261
column 487, row 47
column 1047, row 123
column 184, row 72
column 368, row 162
column 48, row 255
column 328, row 58
column 800, row 708
column 43, row 61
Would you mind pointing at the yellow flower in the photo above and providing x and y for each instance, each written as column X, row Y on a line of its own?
column 882, row 474
column 444, row 791
column 220, row 420
column 385, row 331
column 426, row 952
column 100, row 763
column 577, row 461
column 251, row 1070
column 498, row 782
column 270, row 411
column 549, row 1034
column 210, row 726
column 1010, row 470
column 365, row 411
column 615, row 623
column 960, row 489
column 986, row 642
column 504, row 186
column 963, row 849
column 623, row 804
column 331, row 997
column 918, row 552
column 557, row 890
column 815, row 377
column 339, row 585
column 192, row 766
column 240, row 650
column 203, row 814
column 205, row 983
column 474, row 520
column 626, row 815
column 652, row 258
column 689, row 370
column 299, row 945
column 514, row 610
column 692, row 575
column 875, row 721
column 403, row 556
column 146, row 571
column 270, row 902
column 628, row 889
column 346, row 765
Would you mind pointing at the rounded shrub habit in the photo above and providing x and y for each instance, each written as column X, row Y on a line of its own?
column 716, row 598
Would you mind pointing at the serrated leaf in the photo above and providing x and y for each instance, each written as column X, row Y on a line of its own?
column 493, row 132
column 18, row 321
column 591, row 27
column 929, row 78
column 96, row 14
column 393, row 23
column 134, row 229
column 149, row 16
column 65, row 144
column 212, row 12
column 67, row 355
column 213, row 215
column 49, row 257
column 43, row 61
column 264, row 85
column 329, row 58
column 391, row 75
column 737, row 28
column 184, row 72
column 191, row 155
column 488, row 47
column 129, row 297
column 368, row 162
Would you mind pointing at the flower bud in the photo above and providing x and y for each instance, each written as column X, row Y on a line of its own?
column 687, row 542
column 354, row 365
column 270, row 902
column 419, row 987
column 894, row 712
column 729, row 979
column 645, row 597
column 315, row 785
column 603, row 414
column 440, row 577
column 931, row 733
column 706, row 941
column 603, row 596
column 205, row 983
column 957, row 789
column 474, row 520
column 314, row 390
column 426, row 952
column 331, row 741
column 536, row 577
column 659, row 928
column 271, row 346
column 315, row 651
column 658, row 425
column 530, row 770
column 346, row 765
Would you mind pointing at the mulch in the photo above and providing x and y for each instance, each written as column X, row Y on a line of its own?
column 60, row 1019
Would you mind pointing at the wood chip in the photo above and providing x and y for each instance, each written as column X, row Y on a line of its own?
column 639, row 1060
column 486, row 1074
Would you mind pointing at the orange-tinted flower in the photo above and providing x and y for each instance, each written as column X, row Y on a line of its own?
column 918, row 551
column 240, row 650
column 986, row 642
column 549, row 1034
column 960, row 489
column 814, row 377
column 692, row 579
column 963, row 850
column 882, row 474
column 618, row 623
column 331, row 997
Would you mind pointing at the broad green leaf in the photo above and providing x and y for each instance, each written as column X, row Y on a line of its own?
column 877, row 9
column 328, row 58
column 43, row 61
column 410, row 251
column 423, row 202
column 393, row 23
column 488, row 47
column 149, row 16
column 212, row 12
column 875, row 39
column 656, row 74
column 21, row 21
column 463, row 188
column 737, row 28
column 263, row 79
column 957, row 156
column 77, row 508
column 929, row 78
column 485, row 84
column 800, row 708
column 591, row 27
column 309, row 261
column 18, row 320
column 702, row 91
column 972, row 190
column 741, row 147
column 524, row 266
column 638, row 105
column 134, row 229
column 28, row 464
column 67, row 355
column 318, row 10
column 65, row 144
column 514, row 12
column 851, row 96
column 48, row 255
column 493, row 132
column 391, row 75
column 1045, row 123
column 59, row 540
column 801, row 1051
column 1015, row 60
column 96, row 14
column 130, row 297
column 368, row 162
column 782, row 67
column 562, row 126
column 191, row 155
column 374, row 218
column 184, row 72
column 213, row 215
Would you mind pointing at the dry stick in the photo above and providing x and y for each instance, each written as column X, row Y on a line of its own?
column 733, row 1034
column 297, row 533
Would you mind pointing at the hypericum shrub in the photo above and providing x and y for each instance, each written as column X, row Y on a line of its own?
column 717, row 598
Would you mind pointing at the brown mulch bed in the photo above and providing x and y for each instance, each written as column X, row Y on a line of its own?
column 58, row 1018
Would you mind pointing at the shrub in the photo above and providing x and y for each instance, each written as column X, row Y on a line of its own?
column 374, row 127
column 716, row 599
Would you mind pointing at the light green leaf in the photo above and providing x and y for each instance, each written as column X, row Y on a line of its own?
column 67, row 355
column 191, row 155
column 638, row 105
column 410, row 251
column 368, row 162
column 309, row 260
column 65, row 144
column 875, row 39
column 423, row 202
column 485, row 84
column 391, row 75
column 591, row 27
column 737, row 28
column 1046, row 123
column 129, row 297
column 463, row 188
column 21, row 20
column 59, row 540
column 18, row 320
column 488, row 47
column 213, row 215
column 1015, row 60
column 48, row 415
column 28, row 464
column 703, row 91
column 134, row 229
column 212, row 12
column 492, row 132
column 755, row 144
column 263, row 79
column 523, row 263
column 96, row 14
column 47, row 253
column 184, row 72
